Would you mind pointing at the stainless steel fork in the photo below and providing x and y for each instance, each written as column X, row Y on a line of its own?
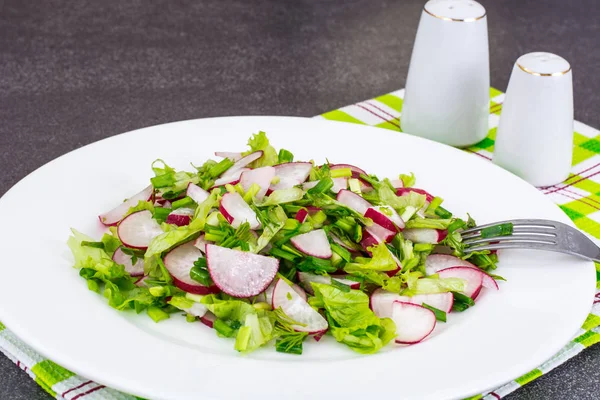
column 536, row 234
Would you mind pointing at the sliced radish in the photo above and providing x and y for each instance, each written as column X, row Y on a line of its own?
column 301, row 215
column 138, row 229
column 291, row 174
column 319, row 335
column 306, row 278
column 313, row 243
column 236, row 211
column 386, row 217
column 115, row 215
column 230, row 178
column 342, row 243
column 244, row 161
column 369, row 240
column 404, row 191
column 201, row 243
column 339, row 184
column 239, row 273
column 181, row 216
column 473, row 278
column 208, row 319
column 261, row 177
column 179, row 262
column 353, row 201
column 227, row 154
column 382, row 301
column 356, row 172
column 125, row 260
column 196, row 193
column 413, row 322
column 397, row 184
column 295, row 307
column 385, row 235
column 309, row 185
column 267, row 295
column 437, row 262
column 424, row 235
column 141, row 282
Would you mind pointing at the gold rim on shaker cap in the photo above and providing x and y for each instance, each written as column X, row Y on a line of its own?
column 454, row 19
column 525, row 69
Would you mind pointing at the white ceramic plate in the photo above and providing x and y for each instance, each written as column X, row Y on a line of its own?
column 46, row 303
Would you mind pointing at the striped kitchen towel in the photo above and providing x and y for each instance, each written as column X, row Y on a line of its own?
column 578, row 196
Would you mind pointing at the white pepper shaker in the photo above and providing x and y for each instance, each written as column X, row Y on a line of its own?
column 447, row 96
column 534, row 139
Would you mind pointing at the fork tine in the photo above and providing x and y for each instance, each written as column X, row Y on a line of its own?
column 516, row 222
column 517, row 229
column 514, row 245
column 523, row 239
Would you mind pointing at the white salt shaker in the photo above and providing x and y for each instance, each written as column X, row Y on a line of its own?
column 448, row 84
column 534, row 139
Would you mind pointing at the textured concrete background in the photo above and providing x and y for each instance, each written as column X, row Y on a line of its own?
column 73, row 72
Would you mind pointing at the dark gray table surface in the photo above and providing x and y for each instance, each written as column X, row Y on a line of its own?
column 73, row 72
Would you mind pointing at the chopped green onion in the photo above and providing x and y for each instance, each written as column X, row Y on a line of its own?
column 230, row 188
column 423, row 247
column 439, row 314
column 283, row 346
column 262, row 306
column 157, row 291
column 318, row 265
column 442, row 212
column 275, row 252
column 220, row 167
column 190, row 318
column 194, row 297
column 242, row 339
column 336, row 260
column 171, row 195
column 342, row 252
column 341, row 173
column 164, row 180
column 291, row 224
column 186, row 201
column 345, row 225
column 161, row 214
column 224, row 329
column 157, row 314
column 357, row 234
column 251, row 192
column 291, row 250
column 354, row 185
column 285, row 156
column 497, row 230
column 96, row 245
column 461, row 298
column 323, row 186
column 318, row 218
column 435, row 203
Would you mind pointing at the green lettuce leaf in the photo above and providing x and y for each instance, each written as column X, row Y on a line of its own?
column 259, row 141
column 282, row 196
column 428, row 223
column 351, row 321
column 431, row 285
column 381, row 260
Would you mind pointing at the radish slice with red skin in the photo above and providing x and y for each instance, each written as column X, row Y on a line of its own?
column 180, row 217
column 228, row 154
column 341, row 242
column 244, row 161
column 138, row 229
column 114, row 216
column 437, row 262
column 356, row 172
column 261, row 177
column 267, row 295
column 353, row 201
column 208, row 319
column 385, row 235
column 424, row 235
column 236, row 211
column 295, row 307
column 179, row 262
column 123, row 259
column 306, row 278
column 369, row 240
column 339, row 184
column 197, row 310
column 473, row 279
column 381, row 301
column 404, row 191
column 196, row 193
column 230, row 178
column 301, row 215
column 313, row 243
column 413, row 322
column 240, row 273
column 397, row 183
column 141, row 282
column 386, row 217
column 291, row 174
column 319, row 335
column 201, row 243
